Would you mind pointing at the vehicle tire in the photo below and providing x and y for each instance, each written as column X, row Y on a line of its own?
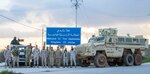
column 128, row 59
column 100, row 60
column 112, row 63
column 138, row 59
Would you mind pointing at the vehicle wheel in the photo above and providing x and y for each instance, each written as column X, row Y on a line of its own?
column 100, row 60
column 111, row 63
column 128, row 59
column 138, row 59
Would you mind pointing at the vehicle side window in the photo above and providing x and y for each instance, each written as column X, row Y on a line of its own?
column 120, row 39
column 101, row 39
column 129, row 40
column 135, row 41
column 142, row 41
column 92, row 40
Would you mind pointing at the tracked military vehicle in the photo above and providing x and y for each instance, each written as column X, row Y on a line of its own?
column 110, row 49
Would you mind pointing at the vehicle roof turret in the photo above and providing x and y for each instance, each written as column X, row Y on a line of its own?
column 108, row 32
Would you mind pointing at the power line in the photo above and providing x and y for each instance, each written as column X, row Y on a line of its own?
column 76, row 4
column 19, row 22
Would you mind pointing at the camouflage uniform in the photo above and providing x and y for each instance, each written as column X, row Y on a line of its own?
column 58, row 57
column 65, row 58
column 15, row 53
column 7, row 56
column 47, row 58
column 51, row 57
column 73, row 56
column 43, row 57
column 15, row 41
column 28, row 53
column 36, row 55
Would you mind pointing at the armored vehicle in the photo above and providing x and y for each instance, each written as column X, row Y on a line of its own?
column 110, row 49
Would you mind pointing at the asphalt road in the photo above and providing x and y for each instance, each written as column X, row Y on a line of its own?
column 143, row 69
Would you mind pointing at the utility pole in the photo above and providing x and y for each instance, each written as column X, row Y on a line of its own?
column 43, row 31
column 76, row 4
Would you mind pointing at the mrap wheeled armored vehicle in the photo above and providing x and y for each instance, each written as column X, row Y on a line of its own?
column 110, row 49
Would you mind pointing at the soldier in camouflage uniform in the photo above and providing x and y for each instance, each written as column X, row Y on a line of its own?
column 62, row 49
column 58, row 57
column 28, row 53
column 15, row 41
column 51, row 56
column 73, row 53
column 7, row 56
column 15, row 53
column 36, row 54
column 65, row 57
column 47, row 58
column 44, row 57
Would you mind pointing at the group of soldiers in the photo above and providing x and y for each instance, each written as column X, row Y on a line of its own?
column 47, row 56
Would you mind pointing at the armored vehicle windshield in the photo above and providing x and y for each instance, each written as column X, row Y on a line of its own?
column 92, row 40
column 100, row 39
column 96, row 39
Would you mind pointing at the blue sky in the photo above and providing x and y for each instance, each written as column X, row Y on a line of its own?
column 129, row 16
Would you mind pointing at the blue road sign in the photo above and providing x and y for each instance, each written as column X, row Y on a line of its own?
column 63, row 36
